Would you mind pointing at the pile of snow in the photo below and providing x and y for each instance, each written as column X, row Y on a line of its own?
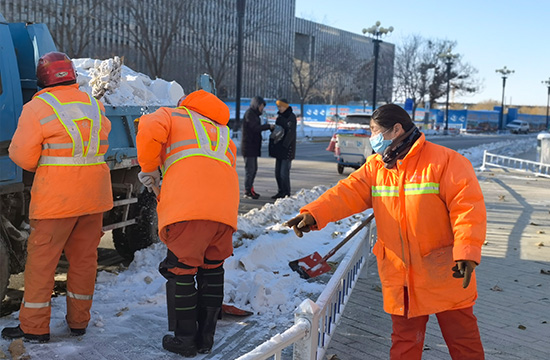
column 121, row 86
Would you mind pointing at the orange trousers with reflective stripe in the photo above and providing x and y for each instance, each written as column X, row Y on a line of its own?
column 79, row 238
column 458, row 327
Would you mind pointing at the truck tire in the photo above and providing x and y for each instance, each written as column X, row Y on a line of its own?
column 144, row 233
column 4, row 269
column 340, row 169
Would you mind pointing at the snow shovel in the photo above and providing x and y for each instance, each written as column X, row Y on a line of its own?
column 314, row 265
column 226, row 308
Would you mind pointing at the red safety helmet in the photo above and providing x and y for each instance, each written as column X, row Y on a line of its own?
column 55, row 68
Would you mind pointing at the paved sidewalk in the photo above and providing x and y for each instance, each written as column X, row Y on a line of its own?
column 513, row 308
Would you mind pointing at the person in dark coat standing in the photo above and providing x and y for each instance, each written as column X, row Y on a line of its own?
column 251, row 143
column 283, row 150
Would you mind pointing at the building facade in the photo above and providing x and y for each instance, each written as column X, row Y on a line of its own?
column 179, row 40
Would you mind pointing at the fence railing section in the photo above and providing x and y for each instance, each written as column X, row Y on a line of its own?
column 315, row 322
column 506, row 162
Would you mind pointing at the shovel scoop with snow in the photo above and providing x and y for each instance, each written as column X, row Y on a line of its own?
column 314, row 265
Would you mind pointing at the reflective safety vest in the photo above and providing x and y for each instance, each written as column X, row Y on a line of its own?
column 201, row 145
column 84, row 152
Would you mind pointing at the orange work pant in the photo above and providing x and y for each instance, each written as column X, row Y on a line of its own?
column 459, row 329
column 195, row 241
column 78, row 237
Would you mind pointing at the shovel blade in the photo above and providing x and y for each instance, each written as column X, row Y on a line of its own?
column 235, row 311
column 310, row 266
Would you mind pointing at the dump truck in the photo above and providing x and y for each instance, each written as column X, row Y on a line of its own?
column 133, row 217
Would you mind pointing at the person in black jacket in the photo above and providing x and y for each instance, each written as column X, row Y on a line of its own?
column 283, row 150
column 251, row 143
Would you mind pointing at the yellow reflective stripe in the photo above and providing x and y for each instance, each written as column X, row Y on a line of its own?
column 181, row 143
column 180, row 155
column 36, row 305
column 203, row 141
column 68, row 145
column 70, row 161
column 232, row 155
column 47, row 119
column 69, row 115
column 422, row 188
column 79, row 296
column 181, row 115
column 57, row 146
column 385, row 191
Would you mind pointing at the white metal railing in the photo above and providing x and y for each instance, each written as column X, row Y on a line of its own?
column 315, row 322
column 506, row 162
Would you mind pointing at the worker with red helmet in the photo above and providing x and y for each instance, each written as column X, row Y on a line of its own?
column 197, row 211
column 61, row 137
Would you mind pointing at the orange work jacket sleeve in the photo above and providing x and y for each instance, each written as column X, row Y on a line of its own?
column 26, row 143
column 350, row 196
column 153, row 132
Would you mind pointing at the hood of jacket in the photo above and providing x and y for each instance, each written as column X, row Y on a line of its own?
column 208, row 105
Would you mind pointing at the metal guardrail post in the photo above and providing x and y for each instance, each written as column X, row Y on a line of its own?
column 483, row 168
column 306, row 348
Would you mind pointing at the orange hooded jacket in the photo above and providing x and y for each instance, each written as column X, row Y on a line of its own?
column 61, row 191
column 429, row 212
column 193, row 187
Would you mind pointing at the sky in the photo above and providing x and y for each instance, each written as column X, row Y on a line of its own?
column 490, row 34
column 128, row 315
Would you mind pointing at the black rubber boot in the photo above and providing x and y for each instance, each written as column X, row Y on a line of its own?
column 11, row 333
column 184, row 341
column 210, row 286
column 207, row 318
column 171, row 303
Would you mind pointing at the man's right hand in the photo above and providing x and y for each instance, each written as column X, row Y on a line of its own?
column 301, row 223
column 150, row 179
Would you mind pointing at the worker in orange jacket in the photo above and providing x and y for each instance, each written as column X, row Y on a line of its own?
column 197, row 211
column 61, row 137
column 431, row 224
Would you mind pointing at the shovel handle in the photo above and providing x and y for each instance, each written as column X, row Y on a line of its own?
column 156, row 190
column 352, row 234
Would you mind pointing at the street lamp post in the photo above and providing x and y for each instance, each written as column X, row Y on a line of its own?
column 376, row 32
column 449, row 59
column 547, row 83
column 504, row 73
column 240, row 20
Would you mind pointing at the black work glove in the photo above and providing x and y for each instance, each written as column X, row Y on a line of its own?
column 301, row 223
column 464, row 269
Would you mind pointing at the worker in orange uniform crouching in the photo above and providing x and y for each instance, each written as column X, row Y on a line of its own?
column 62, row 137
column 431, row 221
column 197, row 211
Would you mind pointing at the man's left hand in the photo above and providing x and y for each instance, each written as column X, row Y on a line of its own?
column 464, row 269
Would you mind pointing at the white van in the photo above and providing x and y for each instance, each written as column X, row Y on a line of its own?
column 518, row 127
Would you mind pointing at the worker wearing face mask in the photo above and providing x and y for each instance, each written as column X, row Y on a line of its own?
column 431, row 223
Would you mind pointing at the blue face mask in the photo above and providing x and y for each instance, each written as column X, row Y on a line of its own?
column 378, row 143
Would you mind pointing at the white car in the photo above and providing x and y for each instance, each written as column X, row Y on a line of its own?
column 518, row 127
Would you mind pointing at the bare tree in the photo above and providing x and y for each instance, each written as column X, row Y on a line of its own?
column 421, row 71
column 219, row 57
column 72, row 23
column 309, row 70
column 152, row 26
